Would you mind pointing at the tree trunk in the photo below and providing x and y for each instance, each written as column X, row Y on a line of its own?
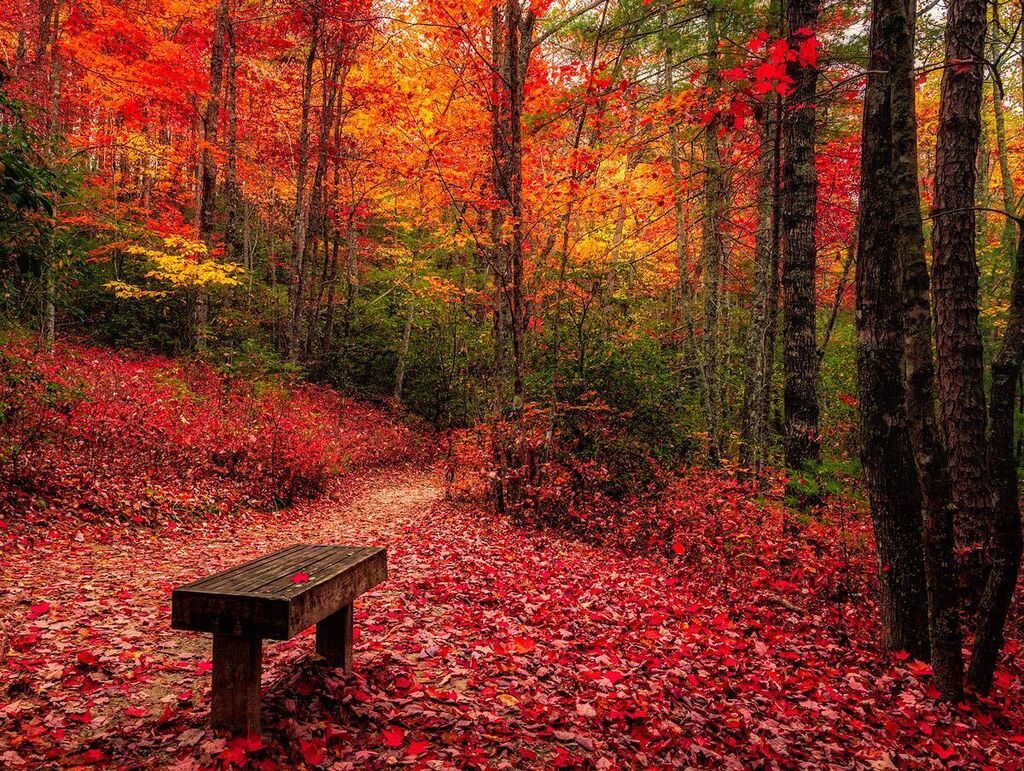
column 47, row 61
column 712, row 258
column 299, row 221
column 316, row 212
column 208, row 163
column 799, row 249
column 1005, row 543
column 958, row 344
column 403, row 353
column 234, row 248
column 1002, row 152
column 885, row 446
column 930, row 459
column 760, row 345
column 512, row 43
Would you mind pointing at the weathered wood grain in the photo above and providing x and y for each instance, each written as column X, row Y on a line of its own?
column 334, row 638
column 237, row 662
column 261, row 599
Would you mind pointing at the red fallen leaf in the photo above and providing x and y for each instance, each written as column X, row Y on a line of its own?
column 312, row 751
column 1003, row 679
column 235, row 755
column 394, row 736
column 678, row 547
column 300, row 578
column 944, row 753
column 524, row 645
column 80, row 717
column 238, row 749
column 613, row 676
column 134, row 712
column 93, row 756
column 850, row 401
column 919, row 668
column 250, row 743
column 418, row 748
column 204, row 666
column 564, row 759
column 37, row 610
column 88, row 658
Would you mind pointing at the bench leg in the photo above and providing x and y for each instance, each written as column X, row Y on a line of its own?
column 334, row 638
column 237, row 662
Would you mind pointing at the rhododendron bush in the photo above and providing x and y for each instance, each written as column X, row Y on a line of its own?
column 131, row 435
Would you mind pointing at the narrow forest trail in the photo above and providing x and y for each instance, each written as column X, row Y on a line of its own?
column 489, row 646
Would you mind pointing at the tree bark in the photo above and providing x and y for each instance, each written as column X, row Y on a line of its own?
column 712, row 258
column 1005, row 544
column 958, row 344
column 512, row 42
column 759, row 357
column 799, row 249
column 885, row 445
column 1002, row 151
column 208, row 162
column 49, row 36
column 299, row 218
column 316, row 214
column 930, row 459
column 403, row 352
column 234, row 249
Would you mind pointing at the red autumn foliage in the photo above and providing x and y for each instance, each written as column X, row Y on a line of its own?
column 130, row 436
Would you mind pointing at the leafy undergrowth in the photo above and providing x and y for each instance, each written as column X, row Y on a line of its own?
column 108, row 436
column 490, row 646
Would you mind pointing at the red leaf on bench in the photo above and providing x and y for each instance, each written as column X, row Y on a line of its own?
column 300, row 578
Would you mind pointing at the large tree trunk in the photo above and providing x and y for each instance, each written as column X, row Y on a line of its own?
column 1005, row 543
column 512, row 42
column 885, row 446
column 959, row 353
column 799, row 249
column 930, row 459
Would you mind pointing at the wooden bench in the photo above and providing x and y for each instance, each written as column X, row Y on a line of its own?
column 274, row 597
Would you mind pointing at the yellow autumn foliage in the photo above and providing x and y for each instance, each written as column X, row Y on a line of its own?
column 183, row 264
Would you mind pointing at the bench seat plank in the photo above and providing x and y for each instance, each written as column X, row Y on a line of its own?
column 261, row 599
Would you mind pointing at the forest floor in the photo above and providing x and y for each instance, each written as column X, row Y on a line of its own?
column 489, row 646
